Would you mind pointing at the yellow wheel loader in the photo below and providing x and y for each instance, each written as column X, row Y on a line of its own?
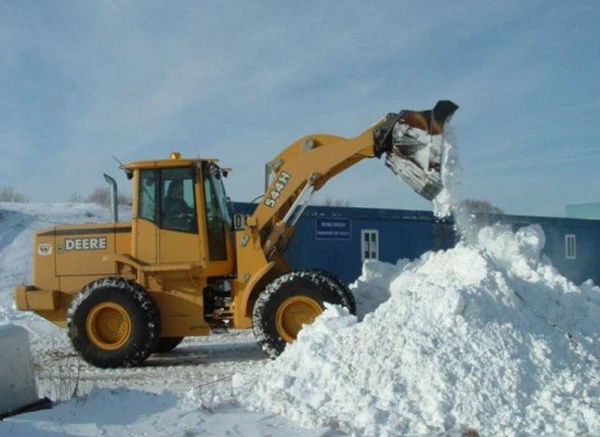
column 126, row 290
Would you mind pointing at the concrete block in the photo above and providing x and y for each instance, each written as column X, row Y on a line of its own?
column 17, row 379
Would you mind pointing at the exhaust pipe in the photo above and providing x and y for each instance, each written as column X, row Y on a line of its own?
column 413, row 142
column 113, row 197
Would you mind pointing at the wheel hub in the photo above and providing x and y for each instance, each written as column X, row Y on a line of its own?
column 108, row 326
column 293, row 313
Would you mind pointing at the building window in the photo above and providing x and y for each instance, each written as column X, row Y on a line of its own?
column 570, row 246
column 369, row 244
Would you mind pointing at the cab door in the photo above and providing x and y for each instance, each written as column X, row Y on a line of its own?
column 216, row 221
column 179, row 239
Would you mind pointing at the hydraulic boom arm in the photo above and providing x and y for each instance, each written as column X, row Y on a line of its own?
column 412, row 143
column 411, row 140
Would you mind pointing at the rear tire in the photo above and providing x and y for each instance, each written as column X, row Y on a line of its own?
column 287, row 303
column 113, row 322
column 167, row 344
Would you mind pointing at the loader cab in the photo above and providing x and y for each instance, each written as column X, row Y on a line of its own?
column 181, row 215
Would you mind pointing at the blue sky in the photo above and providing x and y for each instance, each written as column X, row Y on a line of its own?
column 81, row 81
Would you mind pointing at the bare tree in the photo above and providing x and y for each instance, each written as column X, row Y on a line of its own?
column 100, row 196
column 76, row 197
column 9, row 194
column 329, row 201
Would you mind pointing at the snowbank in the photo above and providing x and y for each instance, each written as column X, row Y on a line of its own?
column 486, row 336
column 371, row 288
column 18, row 224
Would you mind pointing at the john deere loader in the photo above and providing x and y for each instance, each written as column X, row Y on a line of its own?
column 125, row 290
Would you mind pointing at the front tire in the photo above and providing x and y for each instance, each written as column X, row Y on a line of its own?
column 342, row 288
column 289, row 302
column 113, row 323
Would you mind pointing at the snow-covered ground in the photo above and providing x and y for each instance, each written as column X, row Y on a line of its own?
column 485, row 336
column 172, row 394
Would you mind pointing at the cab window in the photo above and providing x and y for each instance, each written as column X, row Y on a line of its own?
column 147, row 195
column 178, row 204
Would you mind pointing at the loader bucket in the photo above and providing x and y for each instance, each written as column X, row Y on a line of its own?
column 414, row 147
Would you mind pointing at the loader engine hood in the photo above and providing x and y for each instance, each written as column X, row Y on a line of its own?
column 414, row 146
column 66, row 257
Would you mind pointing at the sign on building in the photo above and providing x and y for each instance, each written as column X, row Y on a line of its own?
column 333, row 229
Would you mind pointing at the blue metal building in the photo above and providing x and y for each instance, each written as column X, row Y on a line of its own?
column 339, row 239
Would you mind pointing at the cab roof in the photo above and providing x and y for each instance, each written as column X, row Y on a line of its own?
column 175, row 160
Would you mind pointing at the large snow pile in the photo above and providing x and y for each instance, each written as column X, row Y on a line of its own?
column 485, row 336
column 371, row 288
